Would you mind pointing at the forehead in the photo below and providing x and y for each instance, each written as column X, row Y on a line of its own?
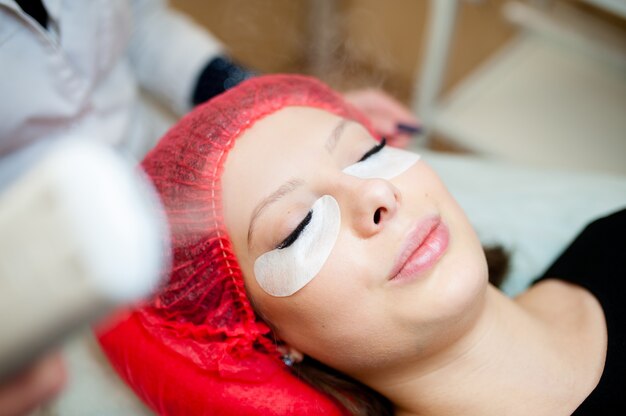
column 290, row 127
column 274, row 150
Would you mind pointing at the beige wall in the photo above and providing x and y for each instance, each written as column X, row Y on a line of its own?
column 365, row 41
column 265, row 34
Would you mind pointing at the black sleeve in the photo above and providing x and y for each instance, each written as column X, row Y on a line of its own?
column 217, row 76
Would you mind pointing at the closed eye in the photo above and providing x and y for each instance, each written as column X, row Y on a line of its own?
column 374, row 150
column 291, row 238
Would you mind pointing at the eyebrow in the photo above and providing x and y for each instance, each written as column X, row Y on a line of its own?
column 292, row 184
column 335, row 135
column 283, row 190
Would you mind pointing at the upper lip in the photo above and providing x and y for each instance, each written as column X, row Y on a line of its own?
column 413, row 241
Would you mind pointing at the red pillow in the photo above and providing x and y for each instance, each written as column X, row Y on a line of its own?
column 171, row 384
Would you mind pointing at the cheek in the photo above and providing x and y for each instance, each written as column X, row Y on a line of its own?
column 334, row 314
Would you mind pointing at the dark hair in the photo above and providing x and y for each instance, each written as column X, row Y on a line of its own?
column 359, row 399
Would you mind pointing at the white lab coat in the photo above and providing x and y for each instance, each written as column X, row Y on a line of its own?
column 81, row 76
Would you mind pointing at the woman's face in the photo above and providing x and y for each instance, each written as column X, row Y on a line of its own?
column 356, row 313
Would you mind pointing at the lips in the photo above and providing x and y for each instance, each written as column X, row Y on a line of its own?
column 424, row 246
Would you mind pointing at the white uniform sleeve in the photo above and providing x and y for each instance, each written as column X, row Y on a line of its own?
column 168, row 51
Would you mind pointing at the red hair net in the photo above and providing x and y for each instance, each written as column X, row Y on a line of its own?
column 197, row 346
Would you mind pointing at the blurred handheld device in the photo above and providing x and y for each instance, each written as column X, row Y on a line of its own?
column 81, row 232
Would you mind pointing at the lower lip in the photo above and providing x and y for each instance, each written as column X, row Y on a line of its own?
column 426, row 255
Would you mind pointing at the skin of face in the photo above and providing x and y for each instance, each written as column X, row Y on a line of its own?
column 350, row 316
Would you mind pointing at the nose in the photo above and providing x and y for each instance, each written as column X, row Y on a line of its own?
column 368, row 204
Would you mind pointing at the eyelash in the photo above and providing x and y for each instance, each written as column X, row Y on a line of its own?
column 291, row 238
column 374, row 150
column 296, row 233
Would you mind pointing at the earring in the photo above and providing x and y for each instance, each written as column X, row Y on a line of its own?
column 288, row 360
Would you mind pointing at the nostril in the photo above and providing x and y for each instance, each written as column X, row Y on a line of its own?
column 377, row 216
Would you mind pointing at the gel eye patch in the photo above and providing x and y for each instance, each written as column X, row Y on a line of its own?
column 282, row 272
column 386, row 164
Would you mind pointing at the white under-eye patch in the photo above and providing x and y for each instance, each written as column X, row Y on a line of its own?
column 388, row 163
column 282, row 272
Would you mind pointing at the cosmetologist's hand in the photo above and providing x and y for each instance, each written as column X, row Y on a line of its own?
column 389, row 117
column 35, row 386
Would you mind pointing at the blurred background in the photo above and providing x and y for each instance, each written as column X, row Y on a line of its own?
column 536, row 82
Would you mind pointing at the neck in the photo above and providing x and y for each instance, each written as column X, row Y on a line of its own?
column 481, row 372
